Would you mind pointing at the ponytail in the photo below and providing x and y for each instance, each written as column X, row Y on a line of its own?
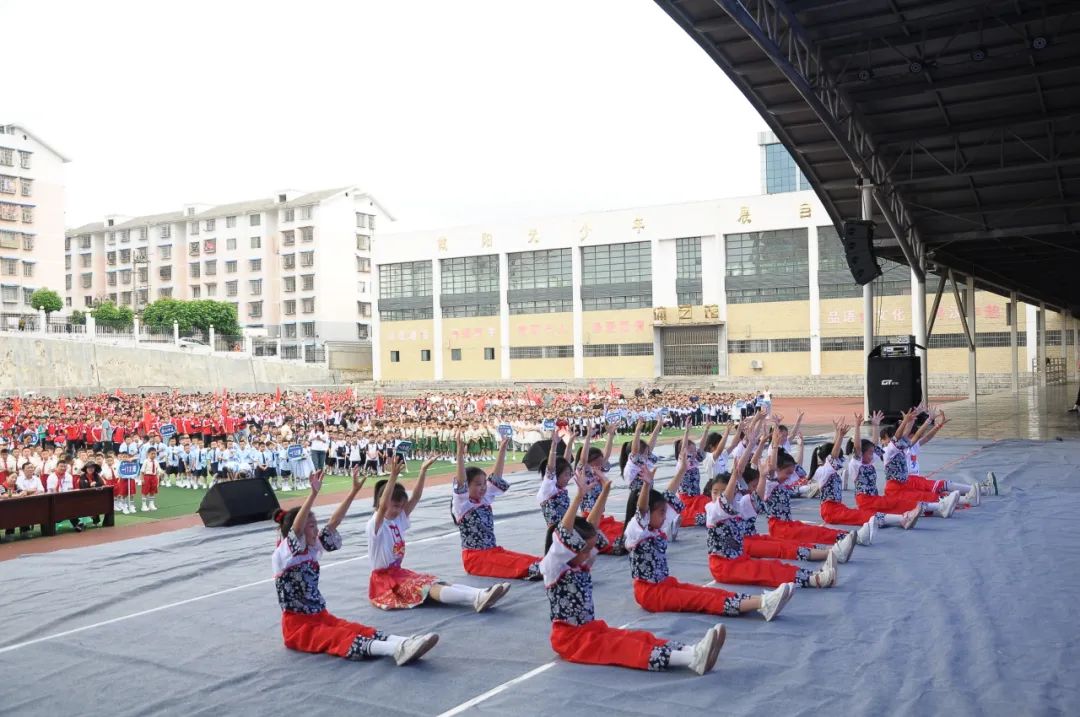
column 818, row 456
column 285, row 519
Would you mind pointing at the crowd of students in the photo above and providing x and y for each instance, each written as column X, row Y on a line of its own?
column 749, row 470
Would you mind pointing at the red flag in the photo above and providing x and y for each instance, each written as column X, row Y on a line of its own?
column 63, row 404
column 614, row 392
column 147, row 419
column 481, row 403
column 379, row 405
column 16, row 405
column 277, row 395
column 118, row 394
column 326, row 402
column 350, row 393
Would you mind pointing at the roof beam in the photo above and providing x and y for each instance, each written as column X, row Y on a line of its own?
column 1007, row 232
column 986, row 170
column 937, row 131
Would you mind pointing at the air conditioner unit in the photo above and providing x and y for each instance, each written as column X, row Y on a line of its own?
column 757, row 364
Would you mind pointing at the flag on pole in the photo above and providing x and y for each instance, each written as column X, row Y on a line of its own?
column 379, row 405
column 63, row 404
column 612, row 391
column 277, row 395
column 481, row 404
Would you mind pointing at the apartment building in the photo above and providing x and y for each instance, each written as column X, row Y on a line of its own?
column 31, row 219
column 296, row 265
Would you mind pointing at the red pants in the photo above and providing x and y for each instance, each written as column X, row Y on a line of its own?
column 928, row 490
column 149, row 485
column 322, row 632
column 768, row 546
column 669, row 595
column 125, row 487
column 497, row 563
column 745, row 571
column 611, row 528
column 803, row 532
column 693, row 506
column 595, row 643
column 897, row 504
column 839, row 514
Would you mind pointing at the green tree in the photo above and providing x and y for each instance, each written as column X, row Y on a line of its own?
column 46, row 299
column 115, row 317
column 77, row 318
column 190, row 315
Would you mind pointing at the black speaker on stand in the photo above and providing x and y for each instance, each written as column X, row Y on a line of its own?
column 894, row 378
column 236, row 502
column 859, row 251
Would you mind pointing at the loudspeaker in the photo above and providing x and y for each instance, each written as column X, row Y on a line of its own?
column 894, row 384
column 859, row 251
column 236, row 502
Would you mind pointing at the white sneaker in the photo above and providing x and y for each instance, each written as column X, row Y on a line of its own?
column 972, row 497
column 489, row 597
column 708, row 649
column 824, row 578
column 845, row 547
column 865, row 534
column 413, row 648
column 814, row 490
column 153, row 505
column 991, row 483
column 830, row 560
column 948, row 504
column 773, row 601
column 912, row 517
column 144, row 508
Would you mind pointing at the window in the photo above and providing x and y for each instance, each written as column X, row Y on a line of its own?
column 28, row 215
column 125, row 236
column 111, row 278
column 144, row 233
column 540, row 269
column 85, row 260
column 780, row 171
column 255, row 220
column 536, row 352
column 307, row 305
column 290, row 215
column 361, row 219
column 307, row 234
column 230, row 222
column 27, row 186
column 87, row 280
column 9, row 240
column 616, row 263
column 256, row 242
column 288, row 261
column 10, row 294
column 455, row 354
column 395, row 356
column 290, row 331
column 210, row 246
column 425, row 354
column 308, row 329
column 489, row 353
column 767, row 253
column 125, row 256
column 305, row 212
column 28, row 269
column 307, row 282
column 165, row 252
column 361, row 287
column 194, row 270
column 67, row 262
column 255, row 309
column 142, row 297
column 7, row 184
column 24, row 160
column 307, row 258
column 67, row 241
column 288, row 238
column 405, row 280
column 28, row 242
column 110, row 258
column 210, row 223
column 165, row 231
column 230, row 267
column 406, row 314
column 606, row 350
column 230, row 244
column 84, row 242
column 194, row 248
column 7, row 159
column 289, row 307
column 193, row 228
column 255, row 264
column 255, row 287
column 764, row 295
column 363, row 308
column 9, row 212
column 751, row 346
column 470, row 274
column 143, row 274
column 363, row 264
column 688, row 271
column 165, row 292
column 211, row 268
column 290, row 284
column 88, row 301
column 231, row 287
column 464, row 310
column 363, row 242
column 196, row 292
column 363, row 332
column 165, row 273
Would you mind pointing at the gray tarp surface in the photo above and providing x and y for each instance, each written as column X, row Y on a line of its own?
column 973, row 615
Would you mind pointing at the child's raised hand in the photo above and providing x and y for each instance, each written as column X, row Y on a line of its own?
column 357, row 480
column 647, row 474
column 877, row 417
column 611, row 428
column 858, row 418
column 316, row 482
column 427, row 464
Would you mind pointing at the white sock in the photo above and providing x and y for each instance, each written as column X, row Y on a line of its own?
column 458, row 594
column 383, row 648
column 962, row 487
column 682, row 658
column 932, row 506
column 893, row 520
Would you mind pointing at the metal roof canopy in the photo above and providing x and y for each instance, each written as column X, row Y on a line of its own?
column 963, row 114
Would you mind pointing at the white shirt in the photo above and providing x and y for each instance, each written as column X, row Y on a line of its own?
column 319, row 440
column 28, row 485
column 913, row 459
column 743, row 505
column 387, row 547
column 460, row 504
column 58, row 484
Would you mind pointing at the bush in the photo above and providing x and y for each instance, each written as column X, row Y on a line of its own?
column 112, row 316
column 192, row 315
column 46, row 299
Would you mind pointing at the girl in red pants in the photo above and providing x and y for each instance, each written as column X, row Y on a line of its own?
column 727, row 518
column 690, row 495
column 593, row 465
column 896, row 442
column 306, row 625
column 654, row 588
column 474, row 492
column 576, row 634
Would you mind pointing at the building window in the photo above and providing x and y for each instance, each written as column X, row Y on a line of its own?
column 361, row 220
column 289, row 307
column 24, row 159
column 363, row 242
column 165, row 292
column 255, row 264
column 10, row 266
column 144, row 233
column 363, row 332
column 290, row 284
column 764, row 295
column 111, row 278
column 85, row 260
column 616, row 263
column 307, row 258
column 465, row 310
column 255, row 220
column 10, row 240
column 27, row 186
column 540, row 269
column 9, row 212
column 28, row 269
column 363, row 264
column 230, row 222
column 211, row 268
column 751, row 346
column 780, row 171
column 194, row 248
column 406, row 314
column 470, row 274
column 688, row 270
column 307, row 282
column 165, row 252
column 290, row 215
column 308, row 329
column 255, row 287
column 425, row 354
column 231, row 287
column 256, row 242
column 165, row 231
column 305, row 212
column 608, row 350
column 489, row 353
column 455, row 354
column 196, row 292
column 28, row 242
column 67, row 262
column 288, row 238
column 230, row 244
column 307, row 305
column 193, row 228
column 361, row 287
column 230, row 267
column 7, row 184
column 7, row 159
column 288, row 261
column 363, row 308
column 165, row 273
column 110, row 258
column 87, row 280
column 10, row 294
column 290, row 331
column 395, row 356
column 194, row 270
column 142, row 297
column 536, row 352
column 768, row 253
column 307, row 234
column 28, row 215
column 84, row 242
column 255, row 309
column 143, row 274
column 210, row 223
column 125, row 256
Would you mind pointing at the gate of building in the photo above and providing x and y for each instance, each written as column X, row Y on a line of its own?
column 691, row 350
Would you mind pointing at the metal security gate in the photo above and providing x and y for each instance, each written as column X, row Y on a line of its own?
column 691, row 350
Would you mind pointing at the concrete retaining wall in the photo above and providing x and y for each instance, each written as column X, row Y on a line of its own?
column 53, row 366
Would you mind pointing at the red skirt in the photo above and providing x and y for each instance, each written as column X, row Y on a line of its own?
column 670, row 595
column 896, row 504
column 497, row 563
column 745, row 571
column 321, row 633
column 693, row 506
column 803, row 532
column 611, row 528
column 595, row 643
column 768, row 546
column 839, row 514
column 395, row 588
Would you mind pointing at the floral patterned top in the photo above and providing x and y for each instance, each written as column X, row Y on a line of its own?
column 592, row 487
column 634, row 465
column 828, row 477
column 691, row 480
column 727, row 525
column 554, row 501
column 896, row 461
column 865, row 478
column 778, row 497
column 648, row 546
column 474, row 519
column 296, row 571
column 569, row 588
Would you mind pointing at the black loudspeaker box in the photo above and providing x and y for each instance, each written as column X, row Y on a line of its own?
column 859, row 251
column 237, row 502
column 894, row 384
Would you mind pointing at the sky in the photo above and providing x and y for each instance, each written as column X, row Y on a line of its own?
column 450, row 113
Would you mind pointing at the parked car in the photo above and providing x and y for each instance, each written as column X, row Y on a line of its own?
column 193, row 345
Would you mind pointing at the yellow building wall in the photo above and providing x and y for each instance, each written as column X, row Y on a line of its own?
column 774, row 320
column 608, row 367
column 536, row 369
column 408, row 337
column 794, row 363
column 542, row 329
column 472, row 335
column 620, row 326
